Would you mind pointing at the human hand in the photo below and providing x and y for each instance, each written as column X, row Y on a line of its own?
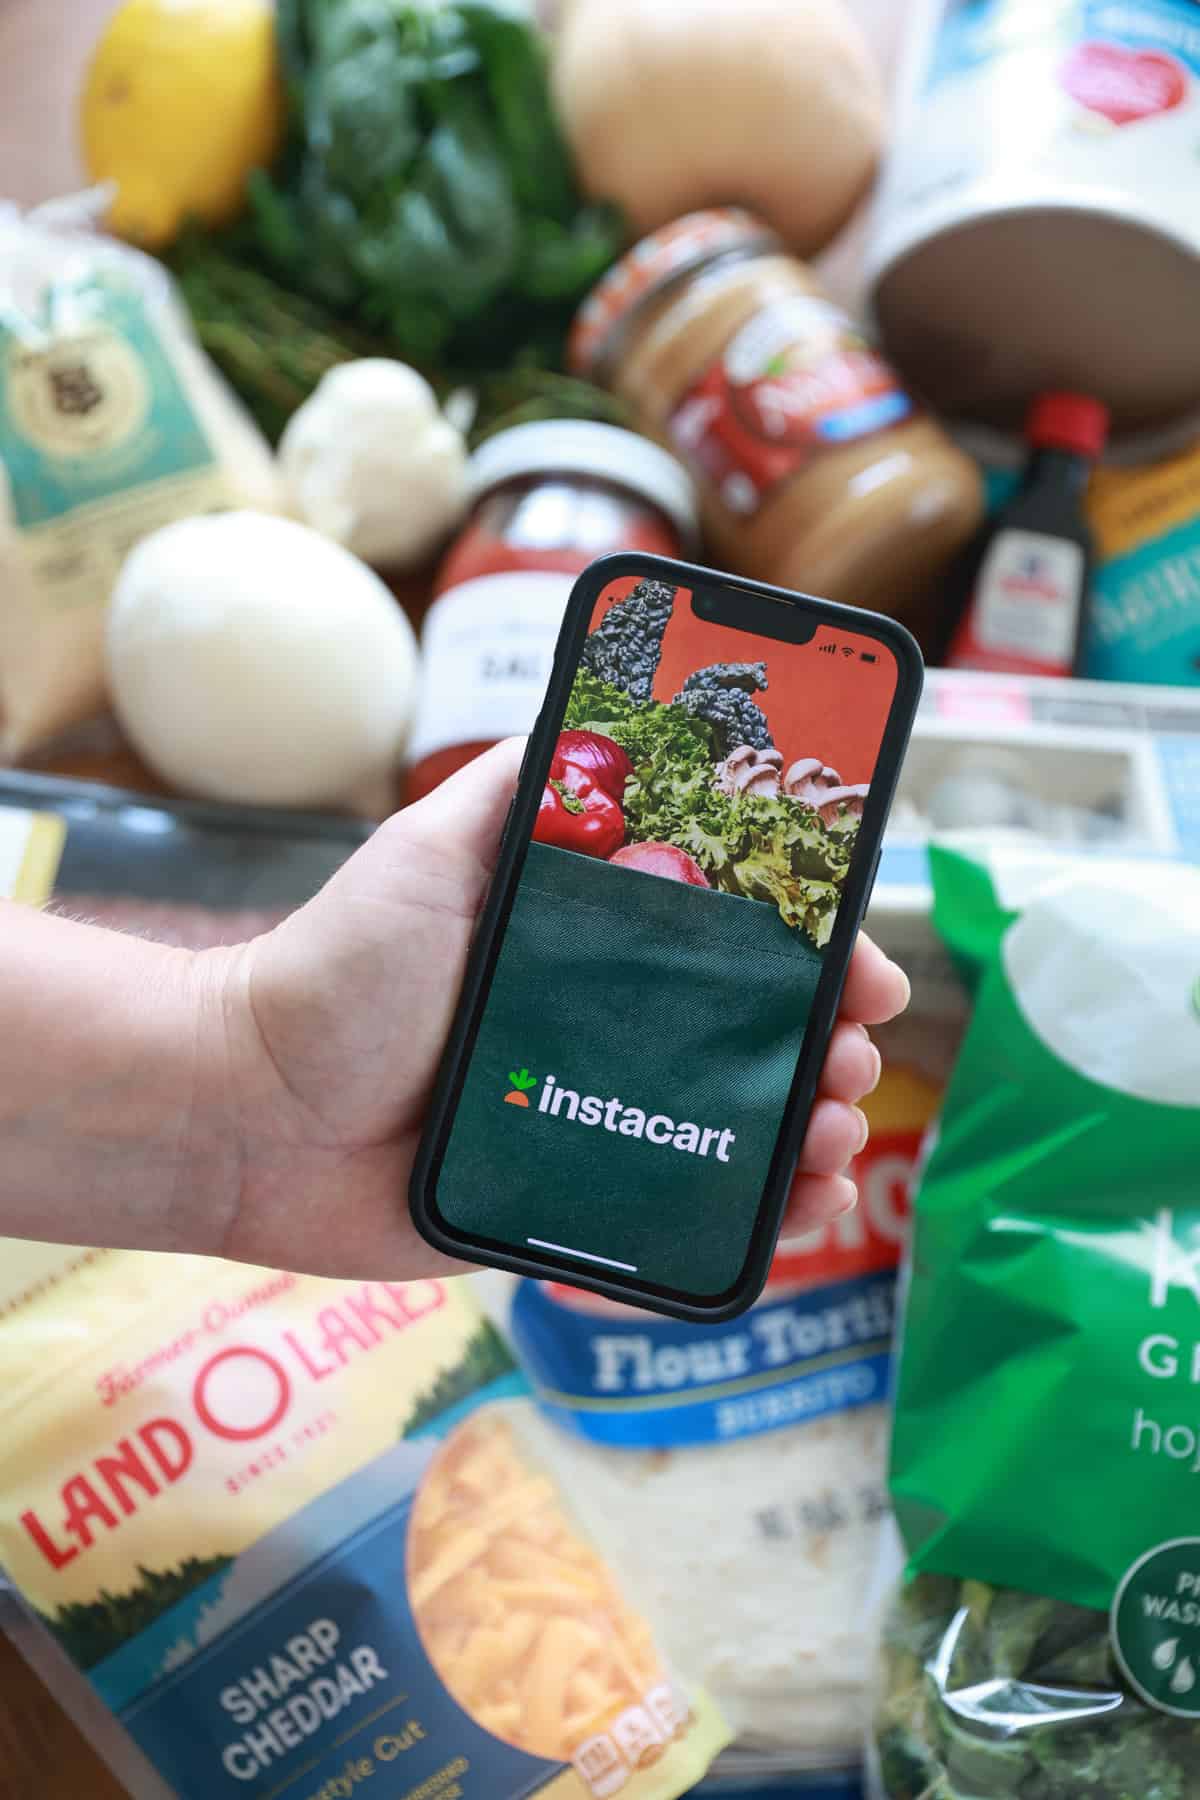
column 335, row 1023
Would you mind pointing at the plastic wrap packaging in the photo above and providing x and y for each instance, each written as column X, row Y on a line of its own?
column 739, row 1468
column 112, row 423
column 1046, row 1642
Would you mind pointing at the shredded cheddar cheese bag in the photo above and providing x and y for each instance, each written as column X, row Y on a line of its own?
column 300, row 1538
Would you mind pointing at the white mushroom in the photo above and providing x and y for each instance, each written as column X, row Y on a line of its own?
column 840, row 803
column 810, row 779
column 749, row 771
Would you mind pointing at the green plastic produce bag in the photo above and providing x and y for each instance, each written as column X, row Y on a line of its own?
column 1046, row 1460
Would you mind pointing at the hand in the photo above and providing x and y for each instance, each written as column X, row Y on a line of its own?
column 336, row 1020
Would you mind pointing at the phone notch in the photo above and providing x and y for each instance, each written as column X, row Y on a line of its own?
column 786, row 617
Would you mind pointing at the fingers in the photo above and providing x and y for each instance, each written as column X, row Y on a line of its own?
column 876, row 989
column 836, row 1134
column 813, row 1202
column 853, row 1065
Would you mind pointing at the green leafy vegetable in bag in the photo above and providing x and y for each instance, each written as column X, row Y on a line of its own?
column 989, row 1692
column 426, row 190
column 1045, row 1450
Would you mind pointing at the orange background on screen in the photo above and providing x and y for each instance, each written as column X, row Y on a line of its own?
column 834, row 707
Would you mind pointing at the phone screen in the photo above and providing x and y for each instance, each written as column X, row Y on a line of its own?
column 649, row 1000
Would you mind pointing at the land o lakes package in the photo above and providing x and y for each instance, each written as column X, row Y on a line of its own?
column 300, row 1537
column 1046, row 1458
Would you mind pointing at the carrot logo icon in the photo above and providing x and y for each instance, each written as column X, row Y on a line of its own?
column 522, row 1081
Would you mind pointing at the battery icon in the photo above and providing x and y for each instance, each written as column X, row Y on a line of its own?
column 868, row 656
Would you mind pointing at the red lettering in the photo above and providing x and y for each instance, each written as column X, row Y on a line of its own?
column 58, row 1559
column 239, row 1433
column 366, row 1310
column 172, row 1468
column 337, row 1331
column 417, row 1298
column 114, row 1471
column 83, row 1503
column 318, row 1371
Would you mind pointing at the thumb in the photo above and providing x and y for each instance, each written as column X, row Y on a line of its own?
column 467, row 811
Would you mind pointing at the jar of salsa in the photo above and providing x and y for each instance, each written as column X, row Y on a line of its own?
column 815, row 469
column 547, row 499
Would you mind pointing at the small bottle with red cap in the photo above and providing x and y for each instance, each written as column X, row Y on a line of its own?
column 1027, row 577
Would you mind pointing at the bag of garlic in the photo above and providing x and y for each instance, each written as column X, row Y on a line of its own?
column 1046, row 1642
column 112, row 423
column 738, row 1469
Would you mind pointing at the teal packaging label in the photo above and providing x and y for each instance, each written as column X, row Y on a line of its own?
column 90, row 403
column 1145, row 612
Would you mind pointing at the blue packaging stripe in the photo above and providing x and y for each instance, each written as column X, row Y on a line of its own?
column 659, row 1383
column 979, row 32
column 875, row 414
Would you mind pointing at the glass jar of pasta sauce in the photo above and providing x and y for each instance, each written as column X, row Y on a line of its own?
column 547, row 499
column 815, row 469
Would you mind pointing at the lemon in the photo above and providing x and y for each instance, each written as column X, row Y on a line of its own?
column 182, row 98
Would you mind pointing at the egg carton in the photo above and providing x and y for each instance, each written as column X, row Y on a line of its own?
column 1079, row 766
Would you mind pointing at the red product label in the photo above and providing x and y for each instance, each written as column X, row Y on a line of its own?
column 1122, row 84
column 873, row 1236
column 795, row 380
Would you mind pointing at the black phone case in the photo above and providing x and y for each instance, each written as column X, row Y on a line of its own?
column 489, row 935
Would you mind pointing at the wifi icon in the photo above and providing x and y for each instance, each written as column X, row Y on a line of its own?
column 847, row 650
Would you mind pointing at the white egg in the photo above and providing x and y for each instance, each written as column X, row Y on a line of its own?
column 251, row 659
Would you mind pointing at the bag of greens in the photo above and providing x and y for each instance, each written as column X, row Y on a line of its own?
column 1046, row 1460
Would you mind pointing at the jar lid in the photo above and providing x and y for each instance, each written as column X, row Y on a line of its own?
column 585, row 447
column 665, row 255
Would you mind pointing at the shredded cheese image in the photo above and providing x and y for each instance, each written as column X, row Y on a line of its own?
column 517, row 1613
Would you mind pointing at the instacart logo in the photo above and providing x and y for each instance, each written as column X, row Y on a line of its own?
column 521, row 1084
column 613, row 1114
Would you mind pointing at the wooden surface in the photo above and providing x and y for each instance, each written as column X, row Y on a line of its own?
column 41, row 1753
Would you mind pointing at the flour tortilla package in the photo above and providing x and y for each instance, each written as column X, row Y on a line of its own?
column 112, row 423
column 739, row 1468
column 1046, row 1641
column 300, row 1538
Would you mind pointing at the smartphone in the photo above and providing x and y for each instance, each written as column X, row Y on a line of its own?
column 658, row 965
